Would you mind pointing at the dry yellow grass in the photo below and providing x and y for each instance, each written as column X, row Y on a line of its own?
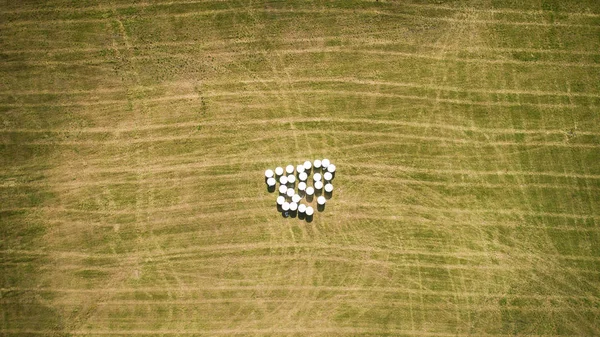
column 466, row 136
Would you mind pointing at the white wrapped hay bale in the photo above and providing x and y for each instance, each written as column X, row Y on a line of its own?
column 302, row 208
column 289, row 169
column 331, row 169
column 269, row 174
column 307, row 166
column 317, row 165
column 301, row 187
column 321, row 200
column 321, row 203
column 310, row 191
column 309, row 211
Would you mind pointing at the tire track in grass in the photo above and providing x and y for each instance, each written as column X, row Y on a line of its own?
column 509, row 212
column 399, row 54
column 266, row 94
column 392, row 303
column 245, row 247
column 326, row 11
column 104, row 8
column 70, row 186
column 193, row 167
column 498, row 10
column 187, row 2
column 280, row 134
column 248, row 331
column 449, row 127
column 399, row 290
column 369, row 41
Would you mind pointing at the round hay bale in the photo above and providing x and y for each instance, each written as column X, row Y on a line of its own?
column 307, row 165
column 302, row 186
column 280, row 200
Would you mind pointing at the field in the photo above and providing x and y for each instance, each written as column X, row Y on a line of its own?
column 134, row 137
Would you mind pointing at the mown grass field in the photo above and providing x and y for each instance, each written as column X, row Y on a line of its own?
column 134, row 137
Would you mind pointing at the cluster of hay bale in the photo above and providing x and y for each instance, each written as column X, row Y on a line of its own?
column 297, row 190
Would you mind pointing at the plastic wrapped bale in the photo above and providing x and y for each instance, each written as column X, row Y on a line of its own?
column 319, row 187
column 285, row 209
column 310, row 192
column 269, row 174
column 317, row 166
column 301, row 211
column 302, row 188
column 331, row 169
column 293, row 209
column 309, row 213
column 289, row 169
column 307, row 166
column 280, row 201
column 291, row 180
column 271, row 182
column 328, row 191
column 321, row 203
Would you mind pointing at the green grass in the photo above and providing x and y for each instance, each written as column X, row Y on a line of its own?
column 465, row 135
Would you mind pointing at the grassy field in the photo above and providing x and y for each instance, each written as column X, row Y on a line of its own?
column 134, row 137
